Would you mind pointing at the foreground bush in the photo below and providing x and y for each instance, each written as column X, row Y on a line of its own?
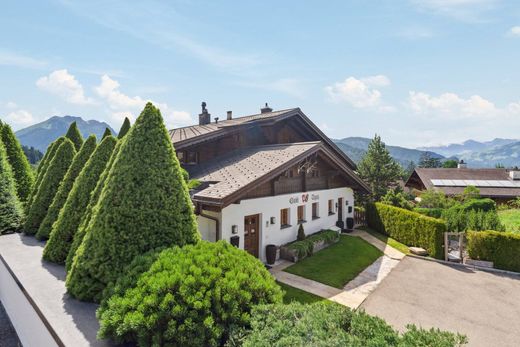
column 327, row 324
column 49, row 186
column 145, row 204
column 10, row 208
column 65, row 187
column 502, row 248
column 22, row 171
column 69, row 219
column 191, row 296
column 410, row 228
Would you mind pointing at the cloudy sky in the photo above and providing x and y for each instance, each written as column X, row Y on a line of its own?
column 417, row 72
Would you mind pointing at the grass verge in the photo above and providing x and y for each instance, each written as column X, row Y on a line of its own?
column 295, row 294
column 388, row 240
column 511, row 219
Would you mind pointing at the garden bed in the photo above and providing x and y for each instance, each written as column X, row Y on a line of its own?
column 299, row 250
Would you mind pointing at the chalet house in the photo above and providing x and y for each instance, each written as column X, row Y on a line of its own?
column 500, row 185
column 262, row 175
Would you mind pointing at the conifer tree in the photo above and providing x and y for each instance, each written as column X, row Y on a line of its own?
column 65, row 187
column 11, row 213
column 74, row 135
column 87, row 215
column 144, row 205
column 65, row 227
column 49, row 186
column 106, row 133
column 124, row 128
column 22, row 171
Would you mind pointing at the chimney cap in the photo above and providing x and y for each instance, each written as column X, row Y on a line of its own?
column 229, row 115
column 266, row 109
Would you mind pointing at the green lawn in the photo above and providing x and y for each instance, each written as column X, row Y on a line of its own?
column 511, row 219
column 339, row 263
column 388, row 240
column 295, row 294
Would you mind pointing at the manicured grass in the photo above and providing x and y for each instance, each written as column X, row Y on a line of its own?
column 295, row 294
column 339, row 263
column 388, row 240
column 511, row 219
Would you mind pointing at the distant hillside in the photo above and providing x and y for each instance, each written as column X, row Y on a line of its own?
column 508, row 155
column 356, row 147
column 42, row 134
column 469, row 146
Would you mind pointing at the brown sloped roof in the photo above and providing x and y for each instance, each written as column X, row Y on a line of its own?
column 427, row 175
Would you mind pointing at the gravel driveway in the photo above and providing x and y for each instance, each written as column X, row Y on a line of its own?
column 485, row 306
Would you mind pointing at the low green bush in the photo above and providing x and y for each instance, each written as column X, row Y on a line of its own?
column 460, row 219
column 327, row 324
column 190, row 296
column 410, row 228
column 305, row 247
column 485, row 205
column 430, row 212
column 502, row 248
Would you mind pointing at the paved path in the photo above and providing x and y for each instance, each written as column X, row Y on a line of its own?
column 357, row 290
column 8, row 337
column 483, row 305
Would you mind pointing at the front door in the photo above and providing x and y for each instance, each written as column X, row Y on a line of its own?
column 340, row 209
column 251, row 232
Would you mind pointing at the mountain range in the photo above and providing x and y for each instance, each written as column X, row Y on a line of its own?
column 40, row 135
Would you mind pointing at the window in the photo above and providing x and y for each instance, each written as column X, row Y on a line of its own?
column 284, row 218
column 331, row 206
column 301, row 214
column 181, row 156
column 191, row 157
column 315, row 210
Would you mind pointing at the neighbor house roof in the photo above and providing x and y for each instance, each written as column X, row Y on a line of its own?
column 491, row 182
column 228, row 177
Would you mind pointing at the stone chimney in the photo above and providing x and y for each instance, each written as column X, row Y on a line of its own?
column 266, row 109
column 462, row 165
column 229, row 115
column 204, row 117
column 514, row 174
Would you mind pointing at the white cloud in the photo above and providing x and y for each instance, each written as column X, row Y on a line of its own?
column 451, row 105
column 360, row 93
column 514, row 31
column 19, row 119
column 65, row 85
column 464, row 10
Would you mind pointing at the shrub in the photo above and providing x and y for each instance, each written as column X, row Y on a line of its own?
column 485, row 205
column 65, row 187
column 430, row 212
column 301, row 233
column 502, row 248
column 145, row 204
column 191, row 296
column 49, row 186
column 22, row 171
column 327, row 324
column 107, row 133
column 69, row 219
column 396, row 198
column 74, row 135
column 87, row 215
column 125, row 127
column 305, row 247
column 410, row 228
column 433, row 198
column 460, row 219
column 10, row 209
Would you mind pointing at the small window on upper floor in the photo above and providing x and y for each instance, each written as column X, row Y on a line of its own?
column 192, row 157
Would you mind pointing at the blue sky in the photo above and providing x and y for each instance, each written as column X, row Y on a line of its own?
column 417, row 72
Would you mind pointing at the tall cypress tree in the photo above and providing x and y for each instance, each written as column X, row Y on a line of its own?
column 87, row 215
column 65, row 187
column 74, row 135
column 70, row 216
column 50, row 184
column 106, row 133
column 10, row 208
column 144, row 205
column 22, row 171
column 124, row 128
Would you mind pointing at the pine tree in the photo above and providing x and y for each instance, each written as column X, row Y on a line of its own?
column 74, row 135
column 106, row 133
column 87, row 215
column 378, row 168
column 11, row 213
column 145, row 204
column 124, row 128
column 65, row 187
column 22, row 171
column 49, row 186
column 70, row 216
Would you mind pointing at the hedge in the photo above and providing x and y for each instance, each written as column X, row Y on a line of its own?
column 74, row 135
column 410, row 228
column 11, row 213
column 69, row 218
column 65, row 187
column 49, row 186
column 484, row 204
column 430, row 212
column 460, row 219
column 502, row 248
column 125, row 127
column 145, row 204
column 190, row 296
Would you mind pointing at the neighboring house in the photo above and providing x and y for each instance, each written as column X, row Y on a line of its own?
column 263, row 175
column 500, row 185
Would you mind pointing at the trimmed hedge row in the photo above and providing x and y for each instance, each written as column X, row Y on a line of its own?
column 410, row 228
column 435, row 212
column 502, row 248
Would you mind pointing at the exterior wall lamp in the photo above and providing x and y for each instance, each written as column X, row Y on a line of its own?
column 234, row 229
column 273, row 220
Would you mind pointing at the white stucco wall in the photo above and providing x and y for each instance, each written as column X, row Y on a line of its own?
column 268, row 207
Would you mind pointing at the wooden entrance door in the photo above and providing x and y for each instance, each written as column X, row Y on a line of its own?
column 340, row 209
column 251, row 234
